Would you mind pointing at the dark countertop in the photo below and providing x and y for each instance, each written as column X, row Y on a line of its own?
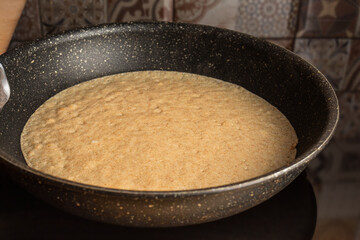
column 291, row 214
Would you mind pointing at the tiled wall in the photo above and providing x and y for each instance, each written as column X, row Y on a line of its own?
column 324, row 32
column 42, row 17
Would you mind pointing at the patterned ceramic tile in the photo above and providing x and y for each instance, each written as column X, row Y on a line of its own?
column 335, row 175
column 60, row 15
column 357, row 234
column 344, row 229
column 357, row 29
column 351, row 162
column 339, row 200
column 267, row 18
column 28, row 27
column 208, row 12
column 352, row 78
column 330, row 56
column 284, row 42
column 134, row 10
column 325, row 166
column 349, row 121
column 328, row 18
column 164, row 10
column 349, row 168
column 339, row 162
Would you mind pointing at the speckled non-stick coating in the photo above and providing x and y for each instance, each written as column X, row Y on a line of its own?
column 41, row 69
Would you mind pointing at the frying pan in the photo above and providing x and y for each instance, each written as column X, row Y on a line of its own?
column 41, row 69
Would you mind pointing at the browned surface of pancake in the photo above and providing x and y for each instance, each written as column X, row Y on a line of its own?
column 157, row 130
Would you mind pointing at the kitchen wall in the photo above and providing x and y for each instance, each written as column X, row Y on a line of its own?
column 324, row 32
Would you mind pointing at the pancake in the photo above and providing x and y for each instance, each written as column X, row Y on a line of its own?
column 157, row 131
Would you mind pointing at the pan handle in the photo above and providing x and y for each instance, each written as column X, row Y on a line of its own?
column 4, row 88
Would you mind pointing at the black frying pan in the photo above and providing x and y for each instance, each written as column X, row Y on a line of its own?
column 41, row 69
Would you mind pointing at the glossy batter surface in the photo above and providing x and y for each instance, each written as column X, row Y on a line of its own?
column 157, row 130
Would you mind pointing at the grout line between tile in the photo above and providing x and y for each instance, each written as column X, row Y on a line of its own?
column 297, row 25
column 40, row 14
